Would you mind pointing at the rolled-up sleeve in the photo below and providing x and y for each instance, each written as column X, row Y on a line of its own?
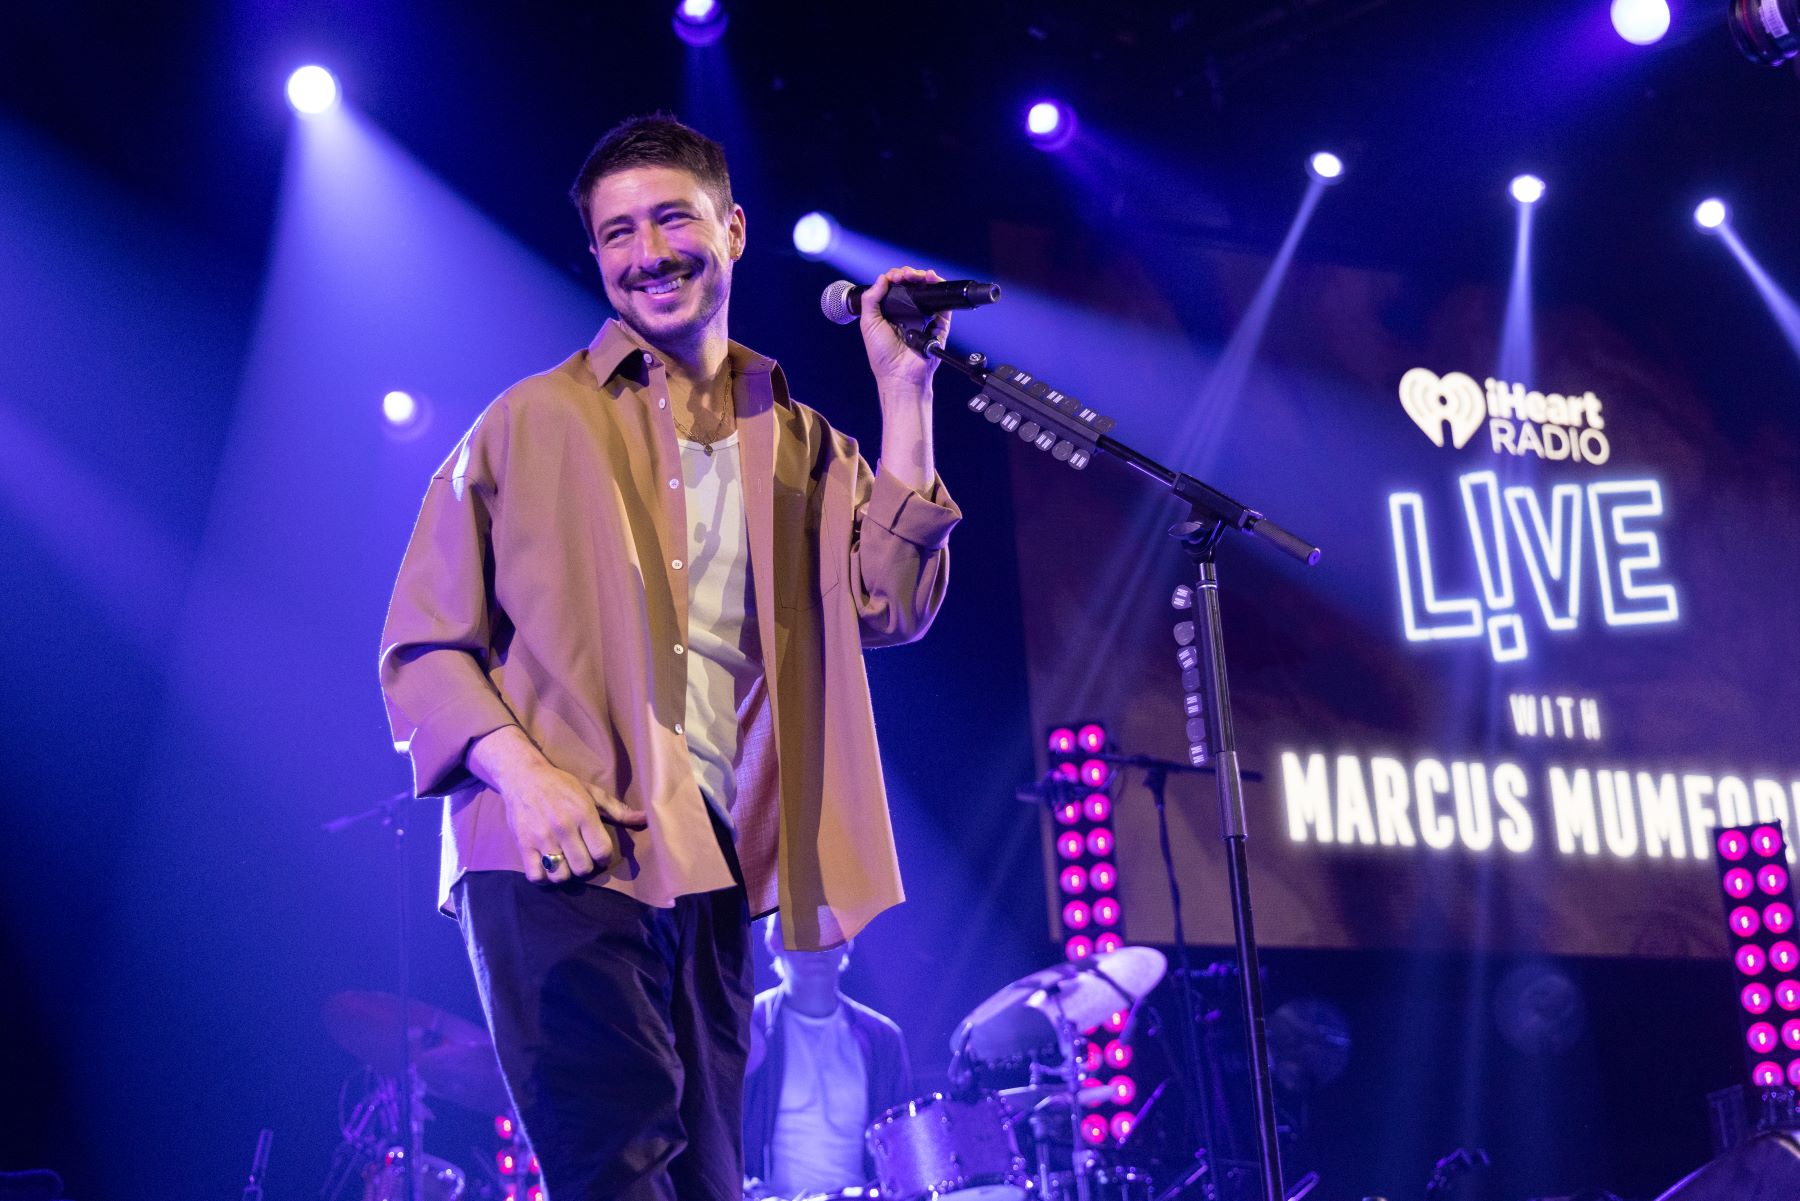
column 899, row 556
column 438, row 641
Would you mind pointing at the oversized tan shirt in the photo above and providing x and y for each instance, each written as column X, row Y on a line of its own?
column 544, row 586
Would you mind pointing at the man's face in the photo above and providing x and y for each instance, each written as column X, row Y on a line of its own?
column 665, row 253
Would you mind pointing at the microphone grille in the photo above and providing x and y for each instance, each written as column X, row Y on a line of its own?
column 835, row 302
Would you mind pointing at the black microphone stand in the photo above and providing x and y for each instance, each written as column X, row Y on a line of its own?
column 1072, row 432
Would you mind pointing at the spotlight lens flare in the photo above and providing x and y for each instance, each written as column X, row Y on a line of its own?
column 814, row 236
column 399, row 408
column 1641, row 22
column 1711, row 214
column 1050, row 124
column 699, row 22
column 1527, row 189
column 312, row 90
column 1325, row 167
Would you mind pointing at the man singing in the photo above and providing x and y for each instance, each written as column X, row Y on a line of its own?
column 625, row 643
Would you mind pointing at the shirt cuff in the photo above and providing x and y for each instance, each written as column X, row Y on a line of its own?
column 923, row 519
column 439, row 748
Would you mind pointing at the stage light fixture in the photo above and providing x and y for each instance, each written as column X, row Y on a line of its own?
column 1103, row 876
column 1093, row 1129
column 312, row 90
column 1750, row 859
column 699, row 22
column 1074, row 879
column 815, row 235
column 1094, row 773
column 1098, row 807
column 1092, row 738
column 399, row 408
column 1068, row 813
column 1709, row 215
column 1078, row 948
column 1099, row 842
column 1062, row 739
column 1069, row 846
column 1076, row 915
column 1527, row 189
column 1325, row 167
column 1122, row 1125
column 1641, row 22
column 1107, row 943
column 1767, row 31
column 1050, row 124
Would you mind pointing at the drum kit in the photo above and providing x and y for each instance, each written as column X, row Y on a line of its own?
column 446, row 1057
column 1023, row 1142
column 1020, row 1143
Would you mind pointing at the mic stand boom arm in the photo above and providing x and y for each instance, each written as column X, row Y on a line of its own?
column 1072, row 432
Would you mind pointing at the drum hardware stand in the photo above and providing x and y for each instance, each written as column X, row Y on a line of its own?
column 391, row 811
column 1072, row 432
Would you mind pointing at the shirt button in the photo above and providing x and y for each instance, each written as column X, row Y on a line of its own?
column 674, row 483
column 647, row 359
column 675, row 563
column 678, row 728
column 662, row 402
column 680, row 649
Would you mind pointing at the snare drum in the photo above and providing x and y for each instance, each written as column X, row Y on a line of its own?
column 942, row 1149
column 437, row 1180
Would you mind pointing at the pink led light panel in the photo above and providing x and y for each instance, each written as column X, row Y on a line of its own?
column 1098, row 807
column 1106, row 911
column 1122, row 1125
column 1779, row 918
column 1062, row 741
column 1766, row 841
column 1772, row 878
column 1767, row 1074
column 1104, row 876
column 1107, row 943
column 1067, row 771
column 1099, row 843
column 1093, row 1127
column 1118, row 1054
column 1069, row 845
column 1744, row 921
column 1787, row 995
column 1790, row 1034
column 1733, row 845
column 1739, row 883
column 1076, row 915
column 1757, row 998
column 1069, row 812
column 1116, row 1022
column 1784, row 956
column 505, row 1161
column 1749, row 959
column 503, row 1126
column 1094, row 773
column 1124, row 1090
column 1090, row 1059
column 1794, row 1071
column 1092, row 739
column 1079, row 947
column 1097, row 1085
column 1073, row 879
column 1761, row 1037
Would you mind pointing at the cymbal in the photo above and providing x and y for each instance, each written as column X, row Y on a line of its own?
column 367, row 1024
column 1020, row 1019
column 467, row 1075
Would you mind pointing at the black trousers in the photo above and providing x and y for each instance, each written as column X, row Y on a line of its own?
column 622, row 1031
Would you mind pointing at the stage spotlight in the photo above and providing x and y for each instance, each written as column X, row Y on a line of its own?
column 1711, row 214
column 1325, row 167
column 814, row 236
column 699, row 22
column 1641, row 22
column 1767, row 31
column 1050, row 124
column 312, row 90
column 399, row 408
column 1527, row 189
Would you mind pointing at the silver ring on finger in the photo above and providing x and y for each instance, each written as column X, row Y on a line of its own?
column 550, row 862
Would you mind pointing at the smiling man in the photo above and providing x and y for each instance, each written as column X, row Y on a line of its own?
column 626, row 645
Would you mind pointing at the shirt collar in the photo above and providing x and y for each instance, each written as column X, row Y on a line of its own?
column 614, row 351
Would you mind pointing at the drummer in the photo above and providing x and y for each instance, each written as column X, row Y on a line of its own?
column 822, row 1068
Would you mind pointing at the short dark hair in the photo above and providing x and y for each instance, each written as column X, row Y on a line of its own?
column 653, row 140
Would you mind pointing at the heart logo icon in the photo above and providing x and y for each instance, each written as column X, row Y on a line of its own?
column 1432, row 401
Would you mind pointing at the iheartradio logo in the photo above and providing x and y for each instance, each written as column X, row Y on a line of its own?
column 1452, row 408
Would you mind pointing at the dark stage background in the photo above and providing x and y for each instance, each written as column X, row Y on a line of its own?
column 202, row 300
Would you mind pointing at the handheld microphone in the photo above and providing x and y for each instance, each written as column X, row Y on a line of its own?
column 842, row 301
